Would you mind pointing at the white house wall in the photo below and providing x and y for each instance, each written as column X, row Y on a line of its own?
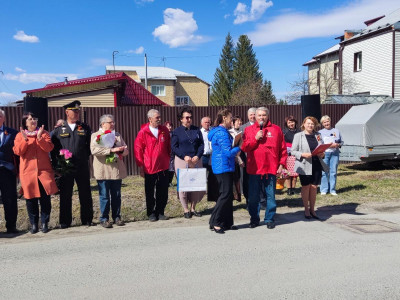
column 397, row 66
column 375, row 76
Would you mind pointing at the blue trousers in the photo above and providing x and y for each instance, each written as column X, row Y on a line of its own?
column 328, row 181
column 256, row 183
column 109, row 193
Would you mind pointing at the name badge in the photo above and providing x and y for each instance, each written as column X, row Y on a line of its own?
column 81, row 133
column 64, row 134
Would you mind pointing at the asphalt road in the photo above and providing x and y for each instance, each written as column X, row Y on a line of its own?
column 180, row 259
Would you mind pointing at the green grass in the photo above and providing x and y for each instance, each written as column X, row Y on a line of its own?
column 356, row 184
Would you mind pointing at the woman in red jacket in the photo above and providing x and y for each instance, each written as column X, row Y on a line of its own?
column 33, row 145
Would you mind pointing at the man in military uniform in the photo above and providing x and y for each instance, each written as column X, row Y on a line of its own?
column 75, row 137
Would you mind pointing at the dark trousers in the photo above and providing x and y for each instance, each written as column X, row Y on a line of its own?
column 156, row 185
column 8, row 188
column 32, row 206
column 82, row 179
column 109, row 195
column 222, row 215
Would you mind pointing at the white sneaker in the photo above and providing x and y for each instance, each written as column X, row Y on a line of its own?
column 333, row 194
column 322, row 193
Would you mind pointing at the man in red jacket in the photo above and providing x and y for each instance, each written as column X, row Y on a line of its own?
column 266, row 156
column 152, row 154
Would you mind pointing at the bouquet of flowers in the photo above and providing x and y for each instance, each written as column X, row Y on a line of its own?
column 64, row 165
column 107, row 139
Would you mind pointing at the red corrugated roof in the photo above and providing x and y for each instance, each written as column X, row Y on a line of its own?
column 135, row 93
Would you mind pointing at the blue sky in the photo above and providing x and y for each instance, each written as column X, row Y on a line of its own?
column 43, row 41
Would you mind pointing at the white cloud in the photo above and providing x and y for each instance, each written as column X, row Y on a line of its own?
column 23, row 37
column 178, row 29
column 98, row 62
column 19, row 69
column 292, row 26
column 227, row 16
column 139, row 50
column 6, row 98
column 244, row 14
column 39, row 77
column 143, row 1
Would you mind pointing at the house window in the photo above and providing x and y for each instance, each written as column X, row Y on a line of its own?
column 158, row 90
column 336, row 71
column 357, row 61
column 182, row 100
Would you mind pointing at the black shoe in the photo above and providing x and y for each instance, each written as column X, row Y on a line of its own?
column 211, row 227
column 89, row 224
column 119, row 222
column 314, row 216
column 163, row 217
column 13, row 230
column 187, row 215
column 253, row 225
column 152, row 218
column 196, row 214
column 234, row 227
column 289, row 192
column 307, row 217
column 270, row 225
column 64, row 226
column 34, row 229
column 220, row 231
column 45, row 228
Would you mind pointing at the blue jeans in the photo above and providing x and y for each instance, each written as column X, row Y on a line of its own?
column 328, row 181
column 256, row 183
column 109, row 189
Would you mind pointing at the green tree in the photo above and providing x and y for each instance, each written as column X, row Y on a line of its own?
column 221, row 91
column 245, row 65
column 266, row 95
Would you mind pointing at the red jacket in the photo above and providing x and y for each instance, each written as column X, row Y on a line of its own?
column 265, row 155
column 150, row 152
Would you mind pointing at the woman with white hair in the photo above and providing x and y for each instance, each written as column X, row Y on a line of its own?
column 108, row 148
column 330, row 135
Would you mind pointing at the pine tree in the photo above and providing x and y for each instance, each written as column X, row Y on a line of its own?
column 266, row 95
column 221, row 91
column 245, row 66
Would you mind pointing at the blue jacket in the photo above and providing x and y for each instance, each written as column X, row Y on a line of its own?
column 223, row 155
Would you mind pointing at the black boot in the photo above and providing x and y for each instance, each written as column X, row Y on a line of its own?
column 289, row 191
column 35, row 228
column 45, row 228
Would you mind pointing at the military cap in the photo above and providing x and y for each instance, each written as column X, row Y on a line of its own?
column 74, row 105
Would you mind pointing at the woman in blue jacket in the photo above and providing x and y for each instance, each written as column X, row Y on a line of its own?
column 223, row 166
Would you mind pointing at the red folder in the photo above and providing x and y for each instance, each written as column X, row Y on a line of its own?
column 320, row 149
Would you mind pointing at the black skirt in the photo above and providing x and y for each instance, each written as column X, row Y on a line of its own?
column 315, row 177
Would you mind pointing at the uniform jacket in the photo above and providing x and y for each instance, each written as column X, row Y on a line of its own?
column 6, row 148
column 151, row 153
column 103, row 170
column 303, row 166
column 265, row 155
column 77, row 142
column 223, row 155
column 35, row 165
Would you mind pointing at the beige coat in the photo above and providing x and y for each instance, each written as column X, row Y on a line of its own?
column 101, row 170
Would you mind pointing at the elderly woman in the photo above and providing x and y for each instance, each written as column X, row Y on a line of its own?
column 188, row 145
column 308, row 167
column 330, row 135
column 108, row 148
column 289, row 131
column 33, row 145
column 223, row 166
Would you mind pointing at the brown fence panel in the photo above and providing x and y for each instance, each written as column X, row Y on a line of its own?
column 130, row 118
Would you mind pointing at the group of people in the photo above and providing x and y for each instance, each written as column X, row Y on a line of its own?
column 249, row 165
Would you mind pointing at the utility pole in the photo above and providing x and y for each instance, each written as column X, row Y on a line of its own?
column 113, row 55
column 145, row 67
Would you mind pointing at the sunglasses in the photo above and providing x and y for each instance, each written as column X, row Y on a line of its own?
column 32, row 119
column 188, row 118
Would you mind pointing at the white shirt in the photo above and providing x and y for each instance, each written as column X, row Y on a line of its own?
column 72, row 126
column 154, row 131
column 207, row 146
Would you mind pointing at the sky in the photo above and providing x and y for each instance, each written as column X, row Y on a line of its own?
column 43, row 41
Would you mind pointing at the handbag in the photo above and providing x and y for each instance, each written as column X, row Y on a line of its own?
column 192, row 180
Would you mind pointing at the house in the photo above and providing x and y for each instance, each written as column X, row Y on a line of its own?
column 323, row 73
column 364, row 62
column 171, row 86
column 109, row 90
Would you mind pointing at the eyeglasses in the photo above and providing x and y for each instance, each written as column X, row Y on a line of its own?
column 111, row 122
column 188, row 118
column 32, row 119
